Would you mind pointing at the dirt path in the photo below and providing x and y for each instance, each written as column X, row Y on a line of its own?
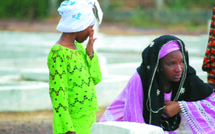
column 106, row 28
column 36, row 122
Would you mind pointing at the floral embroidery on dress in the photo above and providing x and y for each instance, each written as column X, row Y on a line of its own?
column 182, row 90
column 158, row 92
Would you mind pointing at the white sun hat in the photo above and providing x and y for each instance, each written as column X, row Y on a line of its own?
column 77, row 15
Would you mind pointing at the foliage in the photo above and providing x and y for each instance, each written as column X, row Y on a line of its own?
column 189, row 4
column 140, row 18
column 166, row 18
column 24, row 9
column 38, row 9
column 114, row 5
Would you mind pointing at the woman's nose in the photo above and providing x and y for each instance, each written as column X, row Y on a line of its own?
column 179, row 68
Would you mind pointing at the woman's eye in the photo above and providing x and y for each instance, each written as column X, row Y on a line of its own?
column 171, row 63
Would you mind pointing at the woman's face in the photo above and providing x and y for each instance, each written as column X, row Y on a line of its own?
column 171, row 66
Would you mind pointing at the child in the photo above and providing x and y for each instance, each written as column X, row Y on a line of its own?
column 74, row 72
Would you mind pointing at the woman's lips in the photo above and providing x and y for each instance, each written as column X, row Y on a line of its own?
column 178, row 76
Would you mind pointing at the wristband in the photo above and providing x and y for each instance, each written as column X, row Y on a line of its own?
column 91, row 55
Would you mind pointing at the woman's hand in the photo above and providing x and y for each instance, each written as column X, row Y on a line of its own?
column 171, row 108
column 89, row 48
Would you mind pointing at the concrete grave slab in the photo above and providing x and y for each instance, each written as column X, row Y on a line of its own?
column 125, row 128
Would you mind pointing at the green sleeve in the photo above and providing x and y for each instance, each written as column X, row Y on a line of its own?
column 58, row 87
column 94, row 68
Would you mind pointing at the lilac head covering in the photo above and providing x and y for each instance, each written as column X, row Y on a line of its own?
column 169, row 47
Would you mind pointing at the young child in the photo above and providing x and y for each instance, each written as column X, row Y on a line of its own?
column 74, row 71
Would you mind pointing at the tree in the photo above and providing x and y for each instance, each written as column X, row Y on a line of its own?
column 159, row 4
column 53, row 7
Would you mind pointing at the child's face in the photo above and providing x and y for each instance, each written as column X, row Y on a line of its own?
column 83, row 35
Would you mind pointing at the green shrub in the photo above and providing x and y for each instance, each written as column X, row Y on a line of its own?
column 24, row 9
column 189, row 4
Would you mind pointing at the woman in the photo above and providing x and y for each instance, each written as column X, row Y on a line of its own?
column 164, row 89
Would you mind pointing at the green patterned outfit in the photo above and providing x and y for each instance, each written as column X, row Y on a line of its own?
column 72, row 81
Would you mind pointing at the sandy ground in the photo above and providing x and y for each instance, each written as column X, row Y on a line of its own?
column 35, row 122
column 106, row 28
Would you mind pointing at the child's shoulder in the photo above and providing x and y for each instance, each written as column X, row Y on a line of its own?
column 79, row 45
column 56, row 49
column 60, row 47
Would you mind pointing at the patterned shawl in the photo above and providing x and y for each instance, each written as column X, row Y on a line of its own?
column 209, row 59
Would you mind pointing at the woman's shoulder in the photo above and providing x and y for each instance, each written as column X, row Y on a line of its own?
column 136, row 76
column 135, row 80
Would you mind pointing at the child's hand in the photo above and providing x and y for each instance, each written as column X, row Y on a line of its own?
column 71, row 133
column 90, row 43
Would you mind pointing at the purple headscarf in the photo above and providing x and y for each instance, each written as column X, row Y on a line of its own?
column 169, row 47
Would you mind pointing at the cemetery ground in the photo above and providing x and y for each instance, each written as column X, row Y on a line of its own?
column 34, row 122
column 49, row 25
